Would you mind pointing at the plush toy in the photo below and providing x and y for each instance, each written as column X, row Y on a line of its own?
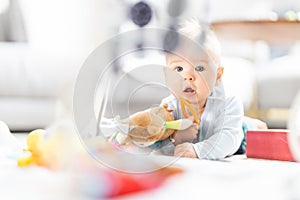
column 147, row 127
column 152, row 125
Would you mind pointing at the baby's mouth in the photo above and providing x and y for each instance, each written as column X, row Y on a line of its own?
column 189, row 90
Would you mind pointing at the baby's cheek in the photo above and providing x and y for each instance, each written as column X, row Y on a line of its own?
column 203, row 86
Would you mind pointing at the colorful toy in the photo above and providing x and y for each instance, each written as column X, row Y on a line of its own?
column 99, row 184
column 45, row 150
column 152, row 125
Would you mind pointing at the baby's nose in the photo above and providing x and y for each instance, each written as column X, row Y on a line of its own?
column 189, row 78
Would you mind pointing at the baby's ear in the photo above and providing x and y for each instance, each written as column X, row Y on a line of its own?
column 220, row 72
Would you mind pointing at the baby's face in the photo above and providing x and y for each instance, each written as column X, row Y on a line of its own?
column 198, row 71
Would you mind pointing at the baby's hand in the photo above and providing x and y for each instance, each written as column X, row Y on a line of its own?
column 185, row 150
column 187, row 135
column 261, row 124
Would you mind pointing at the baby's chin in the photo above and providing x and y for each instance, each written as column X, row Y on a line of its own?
column 192, row 99
column 195, row 99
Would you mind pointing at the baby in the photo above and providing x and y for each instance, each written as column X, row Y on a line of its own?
column 196, row 60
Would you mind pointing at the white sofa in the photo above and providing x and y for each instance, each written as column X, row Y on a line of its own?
column 38, row 67
column 31, row 85
column 38, row 64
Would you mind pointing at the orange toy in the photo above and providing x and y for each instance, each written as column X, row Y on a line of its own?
column 183, row 104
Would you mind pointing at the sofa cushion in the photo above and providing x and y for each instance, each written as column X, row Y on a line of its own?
column 27, row 73
column 25, row 113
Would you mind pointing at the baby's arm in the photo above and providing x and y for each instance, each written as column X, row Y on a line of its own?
column 182, row 140
column 185, row 150
column 227, row 132
column 187, row 135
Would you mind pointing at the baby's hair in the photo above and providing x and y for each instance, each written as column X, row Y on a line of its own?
column 203, row 35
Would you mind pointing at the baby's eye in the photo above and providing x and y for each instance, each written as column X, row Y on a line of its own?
column 178, row 69
column 199, row 68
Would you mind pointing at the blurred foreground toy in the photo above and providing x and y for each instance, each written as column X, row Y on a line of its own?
column 45, row 149
column 109, row 183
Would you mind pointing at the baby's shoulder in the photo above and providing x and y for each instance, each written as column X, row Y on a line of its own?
column 228, row 102
column 233, row 99
column 234, row 104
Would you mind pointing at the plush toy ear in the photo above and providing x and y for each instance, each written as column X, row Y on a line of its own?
column 157, row 124
column 141, row 119
column 165, row 106
column 154, row 130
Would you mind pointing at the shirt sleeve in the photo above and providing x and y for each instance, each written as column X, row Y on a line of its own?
column 227, row 133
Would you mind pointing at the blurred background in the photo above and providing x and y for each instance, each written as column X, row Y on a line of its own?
column 43, row 44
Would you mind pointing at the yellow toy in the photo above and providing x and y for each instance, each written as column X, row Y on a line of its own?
column 43, row 151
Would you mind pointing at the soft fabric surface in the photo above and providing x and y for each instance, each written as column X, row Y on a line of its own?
column 230, row 178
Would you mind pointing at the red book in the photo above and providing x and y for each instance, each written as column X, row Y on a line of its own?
column 268, row 144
